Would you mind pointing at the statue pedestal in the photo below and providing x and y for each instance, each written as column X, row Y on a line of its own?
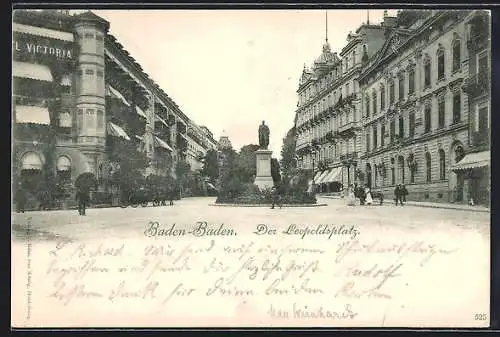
column 263, row 178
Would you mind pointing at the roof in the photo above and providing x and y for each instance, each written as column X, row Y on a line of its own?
column 90, row 16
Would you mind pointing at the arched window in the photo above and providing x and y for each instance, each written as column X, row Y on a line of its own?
column 427, row 71
column 428, row 168
column 442, row 165
column 401, row 169
column 391, row 91
column 374, row 102
column 440, row 59
column 456, row 55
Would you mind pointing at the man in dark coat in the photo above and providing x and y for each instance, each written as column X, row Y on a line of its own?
column 276, row 196
column 171, row 195
column 397, row 194
column 83, row 198
column 404, row 193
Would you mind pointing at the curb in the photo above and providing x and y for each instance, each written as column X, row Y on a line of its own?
column 267, row 205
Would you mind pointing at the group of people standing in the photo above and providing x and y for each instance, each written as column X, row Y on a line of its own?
column 354, row 192
column 400, row 193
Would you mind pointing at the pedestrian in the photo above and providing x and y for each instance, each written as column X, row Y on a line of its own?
column 368, row 194
column 276, row 197
column 404, row 192
column 171, row 194
column 82, row 197
column 20, row 198
column 351, row 199
column 396, row 194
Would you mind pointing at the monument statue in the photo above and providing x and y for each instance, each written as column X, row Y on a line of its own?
column 263, row 136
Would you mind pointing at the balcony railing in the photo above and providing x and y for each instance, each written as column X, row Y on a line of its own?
column 350, row 126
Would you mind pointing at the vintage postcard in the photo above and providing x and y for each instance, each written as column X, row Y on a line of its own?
column 251, row 168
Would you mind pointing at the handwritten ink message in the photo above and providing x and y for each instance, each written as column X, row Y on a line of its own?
column 294, row 275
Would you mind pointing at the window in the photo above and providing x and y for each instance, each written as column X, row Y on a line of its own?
column 382, row 98
column 427, row 118
column 382, row 134
column 428, row 166
column 393, row 173
column 100, row 73
column 392, row 130
column 482, row 122
column 90, row 118
column 401, row 127
column 441, row 64
column 367, row 142
column 401, row 169
column 411, row 81
column 482, row 63
column 374, row 102
column 401, row 87
column 442, row 165
column 80, row 119
column 457, row 107
column 456, row 55
column 391, row 92
column 100, row 119
column 375, row 136
column 89, row 72
column 412, row 124
column 427, row 72
column 441, row 112
column 367, row 106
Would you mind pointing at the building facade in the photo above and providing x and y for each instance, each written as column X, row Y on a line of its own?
column 77, row 94
column 420, row 114
column 328, row 109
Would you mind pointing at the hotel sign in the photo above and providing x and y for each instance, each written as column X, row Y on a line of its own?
column 42, row 49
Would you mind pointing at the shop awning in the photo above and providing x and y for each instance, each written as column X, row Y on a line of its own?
column 140, row 112
column 51, row 33
column 316, row 177
column 159, row 119
column 473, row 160
column 322, row 177
column 117, row 94
column 333, row 175
column 161, row 143
column 31, row 161
column 117, row 131
column 32, row 114
column 32, row 71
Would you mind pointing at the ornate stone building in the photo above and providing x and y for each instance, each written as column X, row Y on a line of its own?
column 328, row 109
column 77, row 94
column 416, row 115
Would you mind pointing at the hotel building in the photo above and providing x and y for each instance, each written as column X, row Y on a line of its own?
column 77, row 94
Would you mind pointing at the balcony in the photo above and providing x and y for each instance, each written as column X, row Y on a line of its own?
column 477, row 85
column 348, row 129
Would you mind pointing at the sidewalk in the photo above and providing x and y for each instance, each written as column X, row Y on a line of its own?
column 443, row 205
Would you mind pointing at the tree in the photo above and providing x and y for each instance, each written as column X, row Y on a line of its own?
column 211, row 166
column 275, row 171
column 182, row 171
column 288, row 158
column 246, row 164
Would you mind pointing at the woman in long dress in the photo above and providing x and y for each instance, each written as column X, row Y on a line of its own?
column 369, row 199
column 351, row 199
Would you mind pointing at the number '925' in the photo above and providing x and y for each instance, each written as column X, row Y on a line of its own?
column 480, row 317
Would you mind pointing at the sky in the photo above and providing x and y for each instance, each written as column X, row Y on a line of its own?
column 231, row 69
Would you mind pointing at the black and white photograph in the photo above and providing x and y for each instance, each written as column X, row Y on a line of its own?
column 256, row 168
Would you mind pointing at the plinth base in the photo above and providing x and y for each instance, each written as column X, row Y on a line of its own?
column 263, row 177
